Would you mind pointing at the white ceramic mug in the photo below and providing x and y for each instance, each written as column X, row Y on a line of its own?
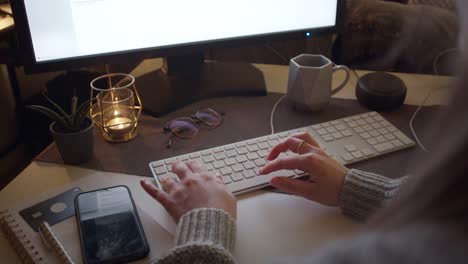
column 310, row 81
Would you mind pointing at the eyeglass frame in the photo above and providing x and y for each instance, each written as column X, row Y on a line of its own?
column 196, row 120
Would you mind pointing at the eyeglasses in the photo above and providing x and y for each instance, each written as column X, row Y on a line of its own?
column 187, row 127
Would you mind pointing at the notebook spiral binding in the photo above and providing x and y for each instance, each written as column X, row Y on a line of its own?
column 25, row 250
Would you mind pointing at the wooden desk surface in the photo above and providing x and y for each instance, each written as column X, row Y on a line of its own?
column 269, row 224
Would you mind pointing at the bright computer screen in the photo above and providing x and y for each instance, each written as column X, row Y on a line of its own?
column 64, row 29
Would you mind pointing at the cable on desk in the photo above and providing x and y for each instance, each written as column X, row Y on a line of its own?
column 436, row 60
column 272, row 115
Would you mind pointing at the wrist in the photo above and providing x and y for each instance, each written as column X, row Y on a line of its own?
column 206, row 226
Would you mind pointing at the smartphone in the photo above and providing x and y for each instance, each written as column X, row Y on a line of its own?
column 109, row 226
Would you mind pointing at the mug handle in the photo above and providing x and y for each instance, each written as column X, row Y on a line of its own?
column 342, row 85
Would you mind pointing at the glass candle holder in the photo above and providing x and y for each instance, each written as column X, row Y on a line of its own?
column 117, row 106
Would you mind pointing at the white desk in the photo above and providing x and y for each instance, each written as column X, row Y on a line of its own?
column 269, row 224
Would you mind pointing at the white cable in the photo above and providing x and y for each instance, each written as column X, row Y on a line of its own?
column 273, row 113
column 414, row 116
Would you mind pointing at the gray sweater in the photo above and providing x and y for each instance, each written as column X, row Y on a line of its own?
column 208, row 235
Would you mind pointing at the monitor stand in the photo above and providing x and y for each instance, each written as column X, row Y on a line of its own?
column 185, row 79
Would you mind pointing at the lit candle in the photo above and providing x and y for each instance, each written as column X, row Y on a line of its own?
column 119, row 126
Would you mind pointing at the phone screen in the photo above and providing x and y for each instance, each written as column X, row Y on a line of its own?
column 110, row 229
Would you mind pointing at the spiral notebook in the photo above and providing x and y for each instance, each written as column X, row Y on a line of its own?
column 30, row 248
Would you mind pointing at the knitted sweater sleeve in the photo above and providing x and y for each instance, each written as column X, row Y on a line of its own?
column 364, row 193
column 203, row 236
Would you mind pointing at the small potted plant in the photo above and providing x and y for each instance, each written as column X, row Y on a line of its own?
column 72, row 132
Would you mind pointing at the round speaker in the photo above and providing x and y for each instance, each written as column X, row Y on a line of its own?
column 380, row 91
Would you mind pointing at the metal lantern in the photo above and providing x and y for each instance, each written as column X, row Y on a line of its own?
column 116, row 107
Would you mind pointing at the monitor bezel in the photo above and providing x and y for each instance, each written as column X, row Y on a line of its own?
column 27, row 58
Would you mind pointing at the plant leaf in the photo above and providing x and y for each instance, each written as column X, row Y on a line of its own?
column 60, row 110
column 74, row 104
column 51, row 114
column 81, row 113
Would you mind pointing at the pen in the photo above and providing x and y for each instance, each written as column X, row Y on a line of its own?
column 51, row 241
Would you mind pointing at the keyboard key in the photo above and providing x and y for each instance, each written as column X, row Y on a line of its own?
column 348, row 119
column 346, row 133
column 372, row 141
column 378, row 118
column 263, row 153
column 380, row 139
column 271, row 137
column 389, row 136
column 229, row 147
column 374, row 133
column 366, row 115
column 252, row 156
column 373, row 114
column 240, row 144
column 331, row 129
column 317, row 126
column 369, row 120
column 169, row 161
column 383, row 131
column 218, row 150
column 237, row 167
column 403, row 138
column 397, row 143
column 248, row 174
column 385, row 123
column 226, row 171
column 227, row 179
column 230, row 161
column 326, row 124
column 263, row 139
column 194, row 155
column 376, row 125
column 206, row 152
column 208, row 159
column 350, row 148
column 237, row 177
column 263, row 145
column 391, row 128
column 322, row 132
column 365, row 135
column 220, row 156
column 337, row 135
column 283, row 135
column 231, row 153
column 352, row 124
column 327, row 138
column 241, row 158
column 273, row 142
column 368, row 128
column 383, row 147
column 347, row 157
column 252, row 148
column 209, row 166
column 157, row 163
column 160, row 170
column 242, row 150
column 361, row 122
column 249, row 165
column 357, row 154
column 340, row 127
column 356, row 117
column 260, row 162
column 358, row 130
column 367, row 151
column 335, row 122
column 218, row 164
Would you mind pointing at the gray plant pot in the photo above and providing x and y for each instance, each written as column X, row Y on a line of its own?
column 77, row 147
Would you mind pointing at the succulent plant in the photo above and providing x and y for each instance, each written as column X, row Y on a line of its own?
column 68, row 122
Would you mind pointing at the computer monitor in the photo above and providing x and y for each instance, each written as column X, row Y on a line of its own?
column 66, row 34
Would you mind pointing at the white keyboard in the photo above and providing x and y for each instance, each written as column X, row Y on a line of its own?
column 347, row 140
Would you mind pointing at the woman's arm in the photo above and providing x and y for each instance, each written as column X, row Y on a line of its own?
column 203, row 236
column 358, row 193
column 363, row 193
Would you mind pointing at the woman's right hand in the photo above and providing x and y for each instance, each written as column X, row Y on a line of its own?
column 326, row 175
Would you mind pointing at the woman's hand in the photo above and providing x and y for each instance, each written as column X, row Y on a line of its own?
column 326, row 175
column 197, row 188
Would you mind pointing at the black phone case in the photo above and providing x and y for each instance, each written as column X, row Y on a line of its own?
column 125, row 259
